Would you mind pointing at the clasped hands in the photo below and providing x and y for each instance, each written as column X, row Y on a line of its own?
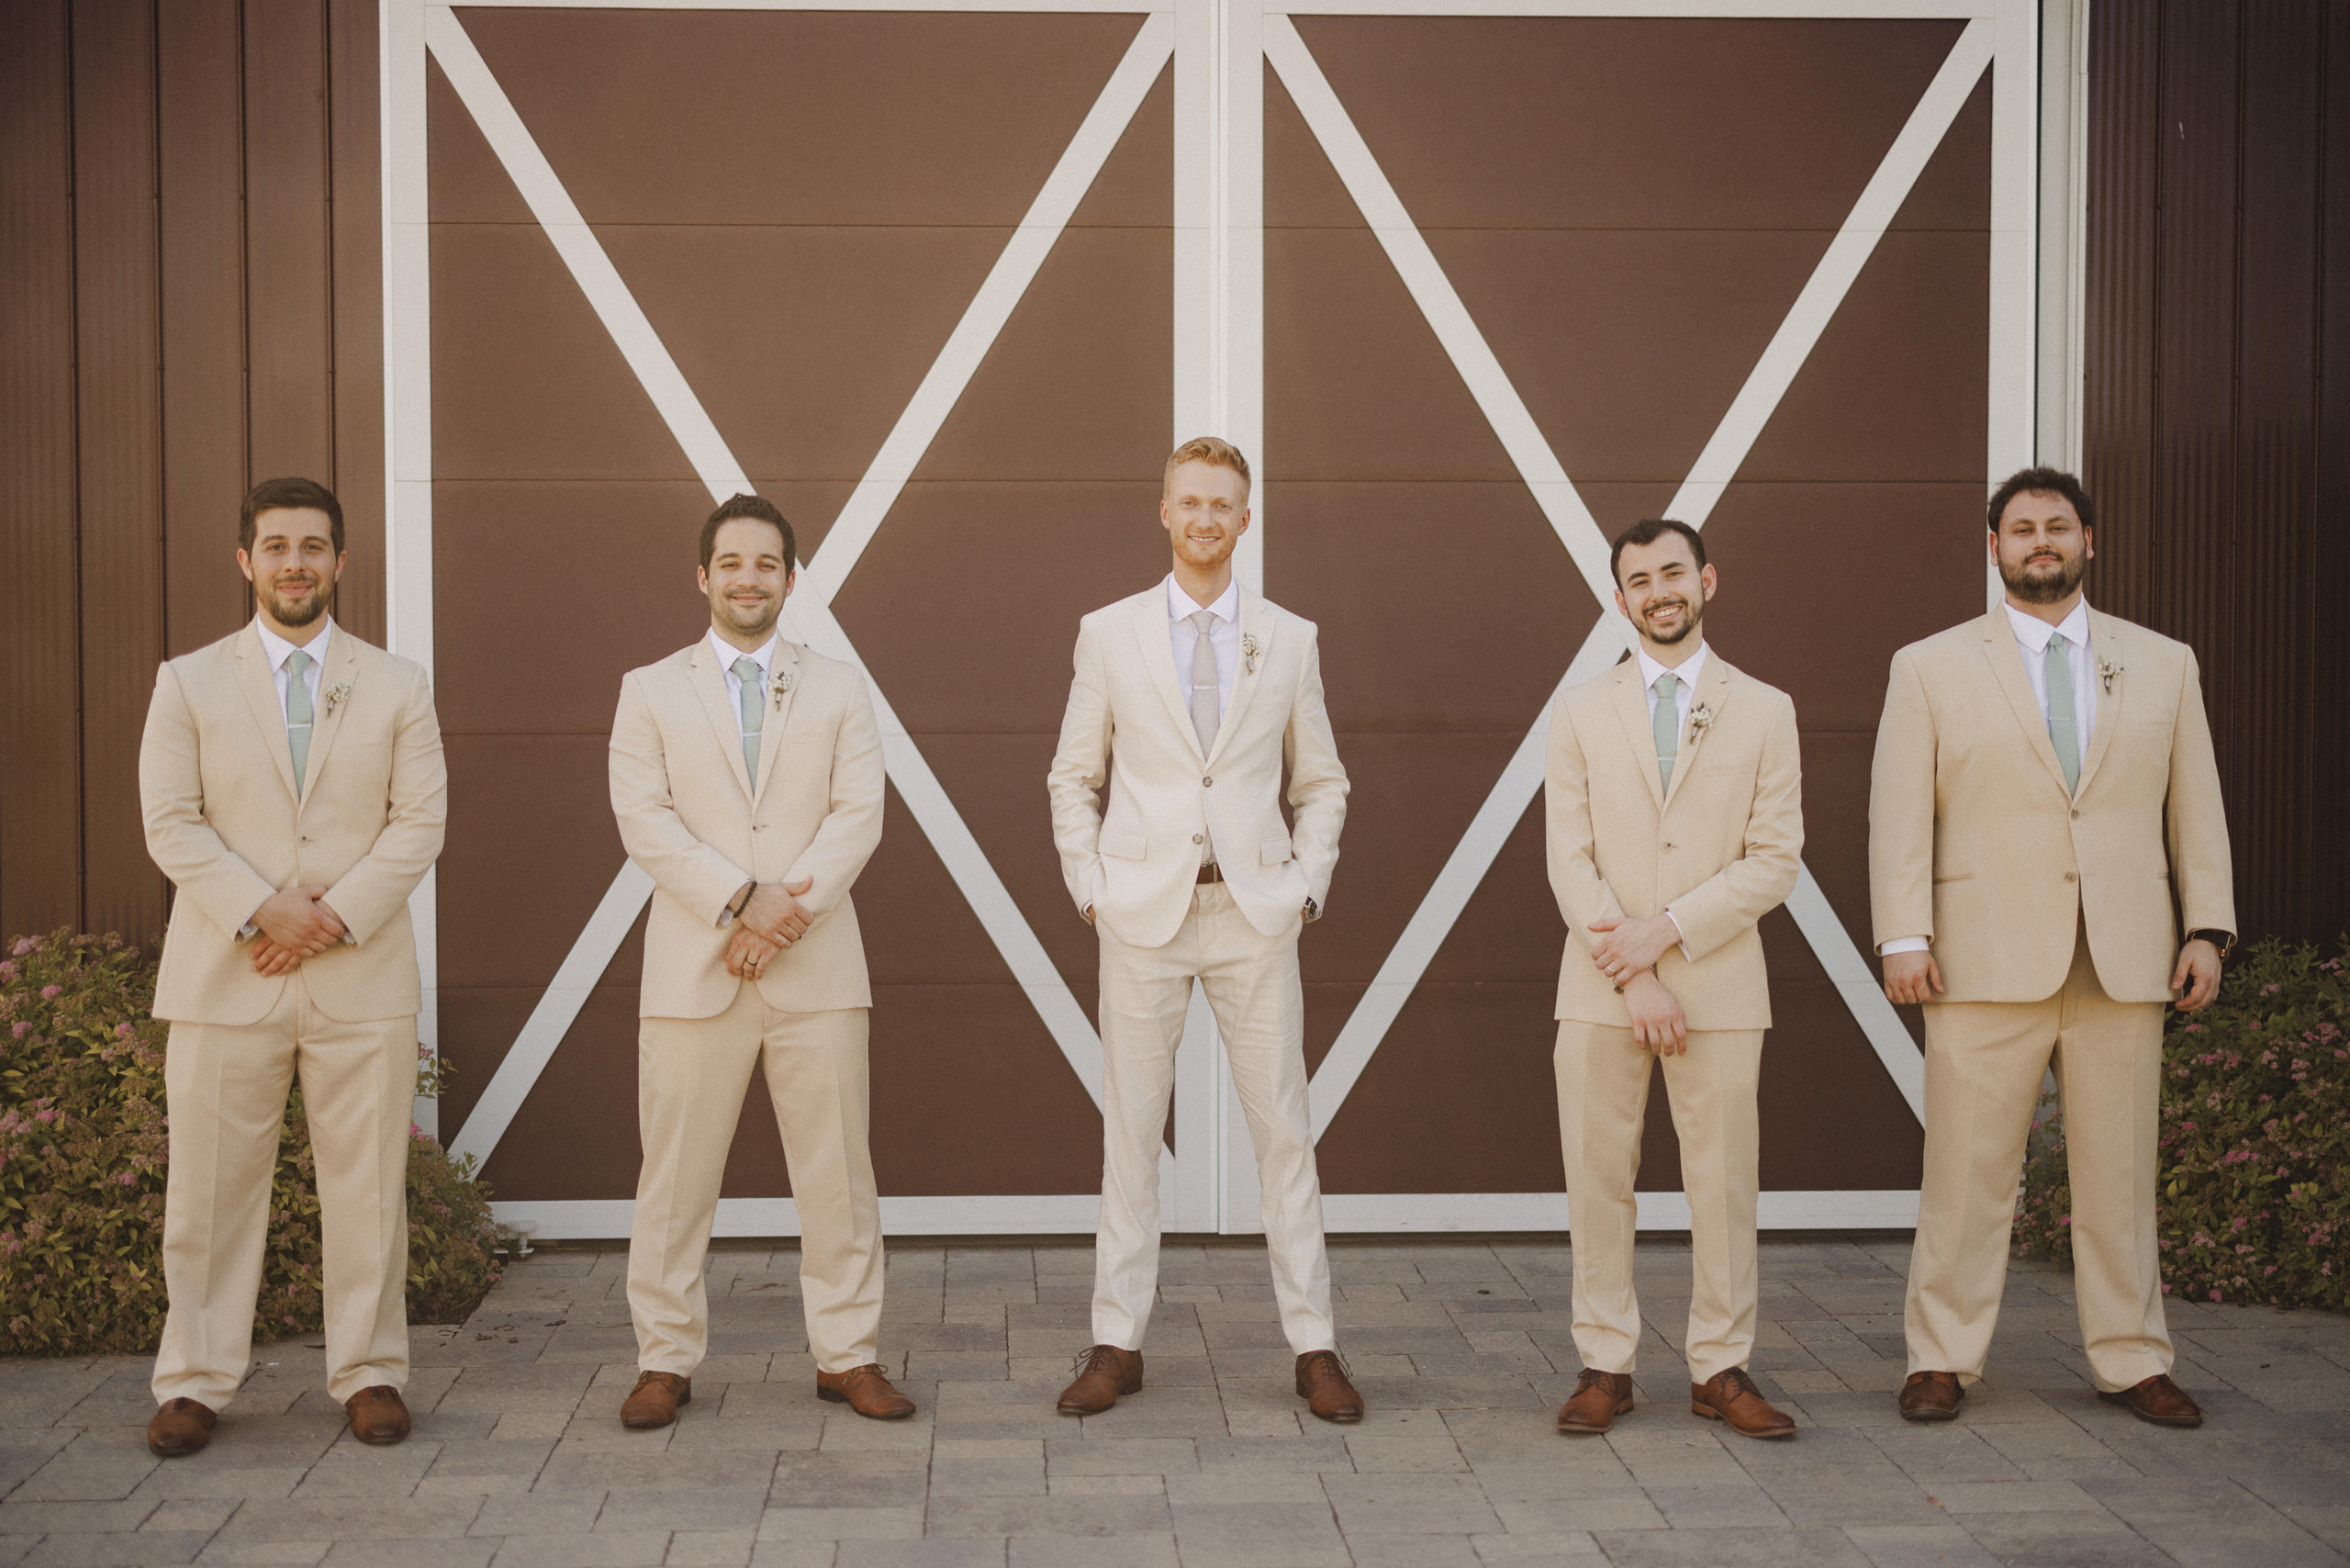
column 293, row 924
column 1626, row 951
column 773, row 920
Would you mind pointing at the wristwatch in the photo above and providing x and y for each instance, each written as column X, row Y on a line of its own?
column 2224, row 941
column 1313, row 912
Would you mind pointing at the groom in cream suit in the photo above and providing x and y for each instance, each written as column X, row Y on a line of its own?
column 2044, row 789
column 746, row 775
column 1673, row 812
column 291, row 783
column 1188, row 699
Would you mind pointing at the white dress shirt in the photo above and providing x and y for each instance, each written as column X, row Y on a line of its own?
column 1223, row 637
column 1683, row 695
column 2031, row 638
column 279, row 650
column 727, row 654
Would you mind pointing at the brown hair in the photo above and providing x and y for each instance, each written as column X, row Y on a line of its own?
column 2041, row 482
column 756, row 507
column 1648, row 531
column 276, row 494
column 1213, row 451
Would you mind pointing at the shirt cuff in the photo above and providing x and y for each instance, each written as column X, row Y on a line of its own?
column 1678, row 932
column 1904, row 945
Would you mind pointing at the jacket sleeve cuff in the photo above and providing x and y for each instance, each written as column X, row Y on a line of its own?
column 1904, row 945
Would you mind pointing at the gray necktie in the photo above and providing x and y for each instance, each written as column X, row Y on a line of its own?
column 1665, row 723
column 2063, row 731
column 746, row 674
column 1204, row 682
column 298, row 715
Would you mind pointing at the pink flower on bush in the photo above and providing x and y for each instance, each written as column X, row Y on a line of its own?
column 21, row 1030
column 24, row 946
column 51, row 992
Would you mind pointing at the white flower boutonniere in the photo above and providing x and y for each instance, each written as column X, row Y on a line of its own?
column 1700, row 717
column 2107, row 670
column 778, row 687
column 335, row 694
column 1248, row 651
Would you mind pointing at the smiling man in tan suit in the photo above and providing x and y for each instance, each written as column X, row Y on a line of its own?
column 294, row 791
column 1188, row 699
column 2044, row 788
column 1673, row 812
column 746, row 775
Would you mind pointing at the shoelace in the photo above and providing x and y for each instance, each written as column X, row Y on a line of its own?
column 1592, row 1376
column 1100, row 1359
column 1735, row 1382
column 1315, row 1363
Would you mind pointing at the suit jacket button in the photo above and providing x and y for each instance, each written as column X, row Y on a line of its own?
column 1199, row 838
column 1205, row 782
column 1668, row 846
column 2076, row 816
column 2072, row 876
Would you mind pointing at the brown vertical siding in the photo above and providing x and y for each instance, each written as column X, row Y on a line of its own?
column 131, row 134
column 2215, row 309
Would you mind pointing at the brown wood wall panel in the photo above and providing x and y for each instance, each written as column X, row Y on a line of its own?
column 356, row 328
column 289, row 245
column 2216, row 306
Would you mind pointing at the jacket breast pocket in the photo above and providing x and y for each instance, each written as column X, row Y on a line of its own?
column 1273, row 851
column 1121, row 845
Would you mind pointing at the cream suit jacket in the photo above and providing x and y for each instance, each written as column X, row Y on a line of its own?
column 1138, row 865
column 1975, row 843
column 701, row 826
column 215, row 786
column 1719, row 851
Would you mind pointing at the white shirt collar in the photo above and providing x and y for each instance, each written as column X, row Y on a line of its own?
column 1180, row 606
column 1691, row 667
column 764, row 657
column 2034, row 632
column 279, row 650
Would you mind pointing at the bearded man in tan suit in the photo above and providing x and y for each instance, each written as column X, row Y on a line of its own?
column 746, row 775
column 1201, row 690
column 1673, row 805
column 2044, row 788
column 294, row 792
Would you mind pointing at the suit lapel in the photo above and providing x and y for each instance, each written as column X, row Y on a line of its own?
column 710, row 685
column 1713, row 691
column 2006, row 656
column 1256, row 631
column 1151, row 640
column 1632, row 708
column 2106, row 642
column 342, row 668
column 259, row 684
column 783, row 684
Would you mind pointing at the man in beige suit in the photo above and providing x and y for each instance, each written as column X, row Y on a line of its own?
column 1674, row 809
column 746, row 775
column 2044, row 788
column 1203, row 690
column 294, row 792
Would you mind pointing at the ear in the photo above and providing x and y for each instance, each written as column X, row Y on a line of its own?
column 2089, row 543
column 1706, row 580
column 701, row 580
column 1621, row 607
column 244, row 563
column 791, row 581
column 342, row 559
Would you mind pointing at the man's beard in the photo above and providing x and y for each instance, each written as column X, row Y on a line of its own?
column 1691, row 615
column 755, row 623
column 2045, row 589
column 321, row 601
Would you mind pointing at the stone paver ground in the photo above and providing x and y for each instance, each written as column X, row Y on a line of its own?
column 1461, row 1348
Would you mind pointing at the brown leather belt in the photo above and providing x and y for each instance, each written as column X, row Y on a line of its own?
column 1211, row 872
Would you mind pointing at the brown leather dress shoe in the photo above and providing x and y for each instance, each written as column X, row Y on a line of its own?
column 1599, row 1398
column 1322, row 1383
column 654, row 1401
column 1931, row 1397
column 180, row 1428
column 1103, row 1373
column 1731, row 1396
column 378, row 1415
column 866, row 1390
column 2159, row 1400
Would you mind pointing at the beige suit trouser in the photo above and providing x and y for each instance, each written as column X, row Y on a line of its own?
column 1252, row 986
column 691, row 1076
column 226, row 1087
column 1984, row 1065
column 1603, row 1106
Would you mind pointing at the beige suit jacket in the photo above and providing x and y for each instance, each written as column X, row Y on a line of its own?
column 215, row 786
column 1975, row 843
column 1717, row 851
column 1138, row 865
column 701, row 826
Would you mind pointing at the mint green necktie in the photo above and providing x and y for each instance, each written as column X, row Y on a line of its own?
column 298, row 715
column 2063, row 731
column 746, row 675
column 1664, row 722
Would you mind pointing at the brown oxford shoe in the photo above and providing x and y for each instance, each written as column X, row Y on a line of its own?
column 1103, row 1373
column 1322, row 1383
column 654, row 1401
column 378, row 1415
column 2159, row 1400
column 1931, row 1397
column 1731, row 1396
column 1599, row 1398
column 180, row 1428
column 866, row 1390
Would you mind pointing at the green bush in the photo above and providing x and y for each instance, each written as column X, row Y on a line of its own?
column 82, row 1151
column 2256, row 1141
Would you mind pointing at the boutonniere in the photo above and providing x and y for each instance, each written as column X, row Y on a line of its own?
column 335, row 694
column 778, row 687
column 1699, row 718
column 2107, row 670
column 1248, row 651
